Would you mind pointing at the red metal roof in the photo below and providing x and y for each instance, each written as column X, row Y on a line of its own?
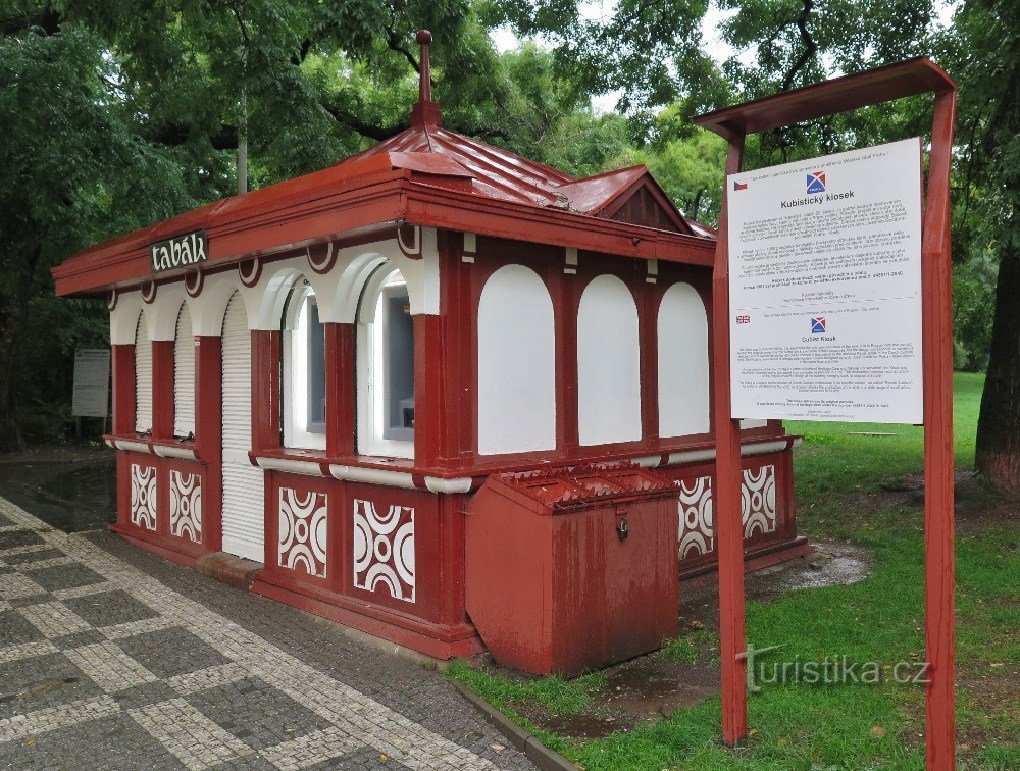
column 426, row 175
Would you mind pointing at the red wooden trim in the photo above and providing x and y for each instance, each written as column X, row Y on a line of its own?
column 265, row 389
column 125, row 260
column 184, row 557
column 208, row 440
column 729, row 535
column 882, row 84
column 123, row 360
column 566, row 289
column 452, row 374
column 341, row 377
column 163, row 389
column 754, row 560
column 646, row 181
column 939, row 563
column 429, row 393
column 647, row 298
column 436, row 640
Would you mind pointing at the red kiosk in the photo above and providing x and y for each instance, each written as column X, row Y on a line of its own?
column 317, row 376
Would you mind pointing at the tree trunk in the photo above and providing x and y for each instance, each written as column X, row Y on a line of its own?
column 12, row 317
column 998, row 434
column 22, row 260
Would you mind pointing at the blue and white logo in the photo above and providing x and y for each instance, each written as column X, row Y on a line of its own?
column 816, row 182
column 817, row 325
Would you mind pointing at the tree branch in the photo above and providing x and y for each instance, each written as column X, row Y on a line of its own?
column 46, row 19
column 361, row 126
column 174, row 134
column 810, row 46
column 393, row 41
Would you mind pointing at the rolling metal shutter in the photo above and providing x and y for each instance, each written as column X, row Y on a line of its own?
column 184, row 375
column 243, row 520
column 143, row 377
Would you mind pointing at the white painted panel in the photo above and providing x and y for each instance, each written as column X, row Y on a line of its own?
column 753, row 423
column 243, row 520
column 516, row 364
column 683, row 362
column 608, row 364
column 184, row 375
column 143, row 377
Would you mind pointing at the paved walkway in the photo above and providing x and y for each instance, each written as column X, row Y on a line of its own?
column 113, row 659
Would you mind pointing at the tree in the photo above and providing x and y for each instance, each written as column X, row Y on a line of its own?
column 986, row 44
column 74, row 169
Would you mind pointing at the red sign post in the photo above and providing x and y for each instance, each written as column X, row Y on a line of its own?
column 895, row 81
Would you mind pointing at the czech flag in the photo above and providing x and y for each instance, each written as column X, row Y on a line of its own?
column 738, row 186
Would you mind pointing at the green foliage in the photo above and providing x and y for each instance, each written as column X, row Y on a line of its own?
column 75, row 171
column 689, row 169
column 690, row 648
column 556, row 695
column 652, row 51
column 973, row 300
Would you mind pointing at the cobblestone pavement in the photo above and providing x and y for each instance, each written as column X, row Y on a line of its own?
column 113, row 659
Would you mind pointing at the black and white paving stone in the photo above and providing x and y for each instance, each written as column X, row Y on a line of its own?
column 111, row 658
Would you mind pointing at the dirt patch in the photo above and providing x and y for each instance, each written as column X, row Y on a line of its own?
column 643, row 690
column 977, row 504
column 830, row 564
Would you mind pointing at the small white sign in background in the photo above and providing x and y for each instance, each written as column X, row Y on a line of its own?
column 825, row 287
column 90, row 395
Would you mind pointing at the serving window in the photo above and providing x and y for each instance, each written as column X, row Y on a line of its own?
column 385, row 361
column 304, row 371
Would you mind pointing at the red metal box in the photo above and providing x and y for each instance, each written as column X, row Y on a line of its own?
column 571, row 569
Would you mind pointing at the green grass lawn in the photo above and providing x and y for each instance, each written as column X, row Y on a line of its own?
column 879, row 619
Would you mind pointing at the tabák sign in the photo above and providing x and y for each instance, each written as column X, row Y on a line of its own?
column 179, row 251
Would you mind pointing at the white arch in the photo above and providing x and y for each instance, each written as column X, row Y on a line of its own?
column 124, row 318
column 337, row 291
column 161, row 314
column 516, row 363
column 355, row 264
column 608, row 364
column 683, row 362
column 208, row 308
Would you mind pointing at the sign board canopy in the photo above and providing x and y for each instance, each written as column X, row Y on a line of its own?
column 825, row 287
column 90, row 395
column 885, row 179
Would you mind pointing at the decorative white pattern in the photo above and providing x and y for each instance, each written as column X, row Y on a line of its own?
column 186, row 506
column 143, row 496
column 758, row 501
column 384, row 549
column 302, row 536
column 757, row 508
column 696, row 534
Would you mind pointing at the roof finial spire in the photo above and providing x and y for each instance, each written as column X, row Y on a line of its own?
column 424, row 38
column 426, row 112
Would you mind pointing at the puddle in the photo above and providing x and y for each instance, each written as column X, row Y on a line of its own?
column 71, row 496
column 831, row 564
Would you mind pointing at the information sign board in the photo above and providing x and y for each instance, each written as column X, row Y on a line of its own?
column 90, row 396
column 825, row 287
